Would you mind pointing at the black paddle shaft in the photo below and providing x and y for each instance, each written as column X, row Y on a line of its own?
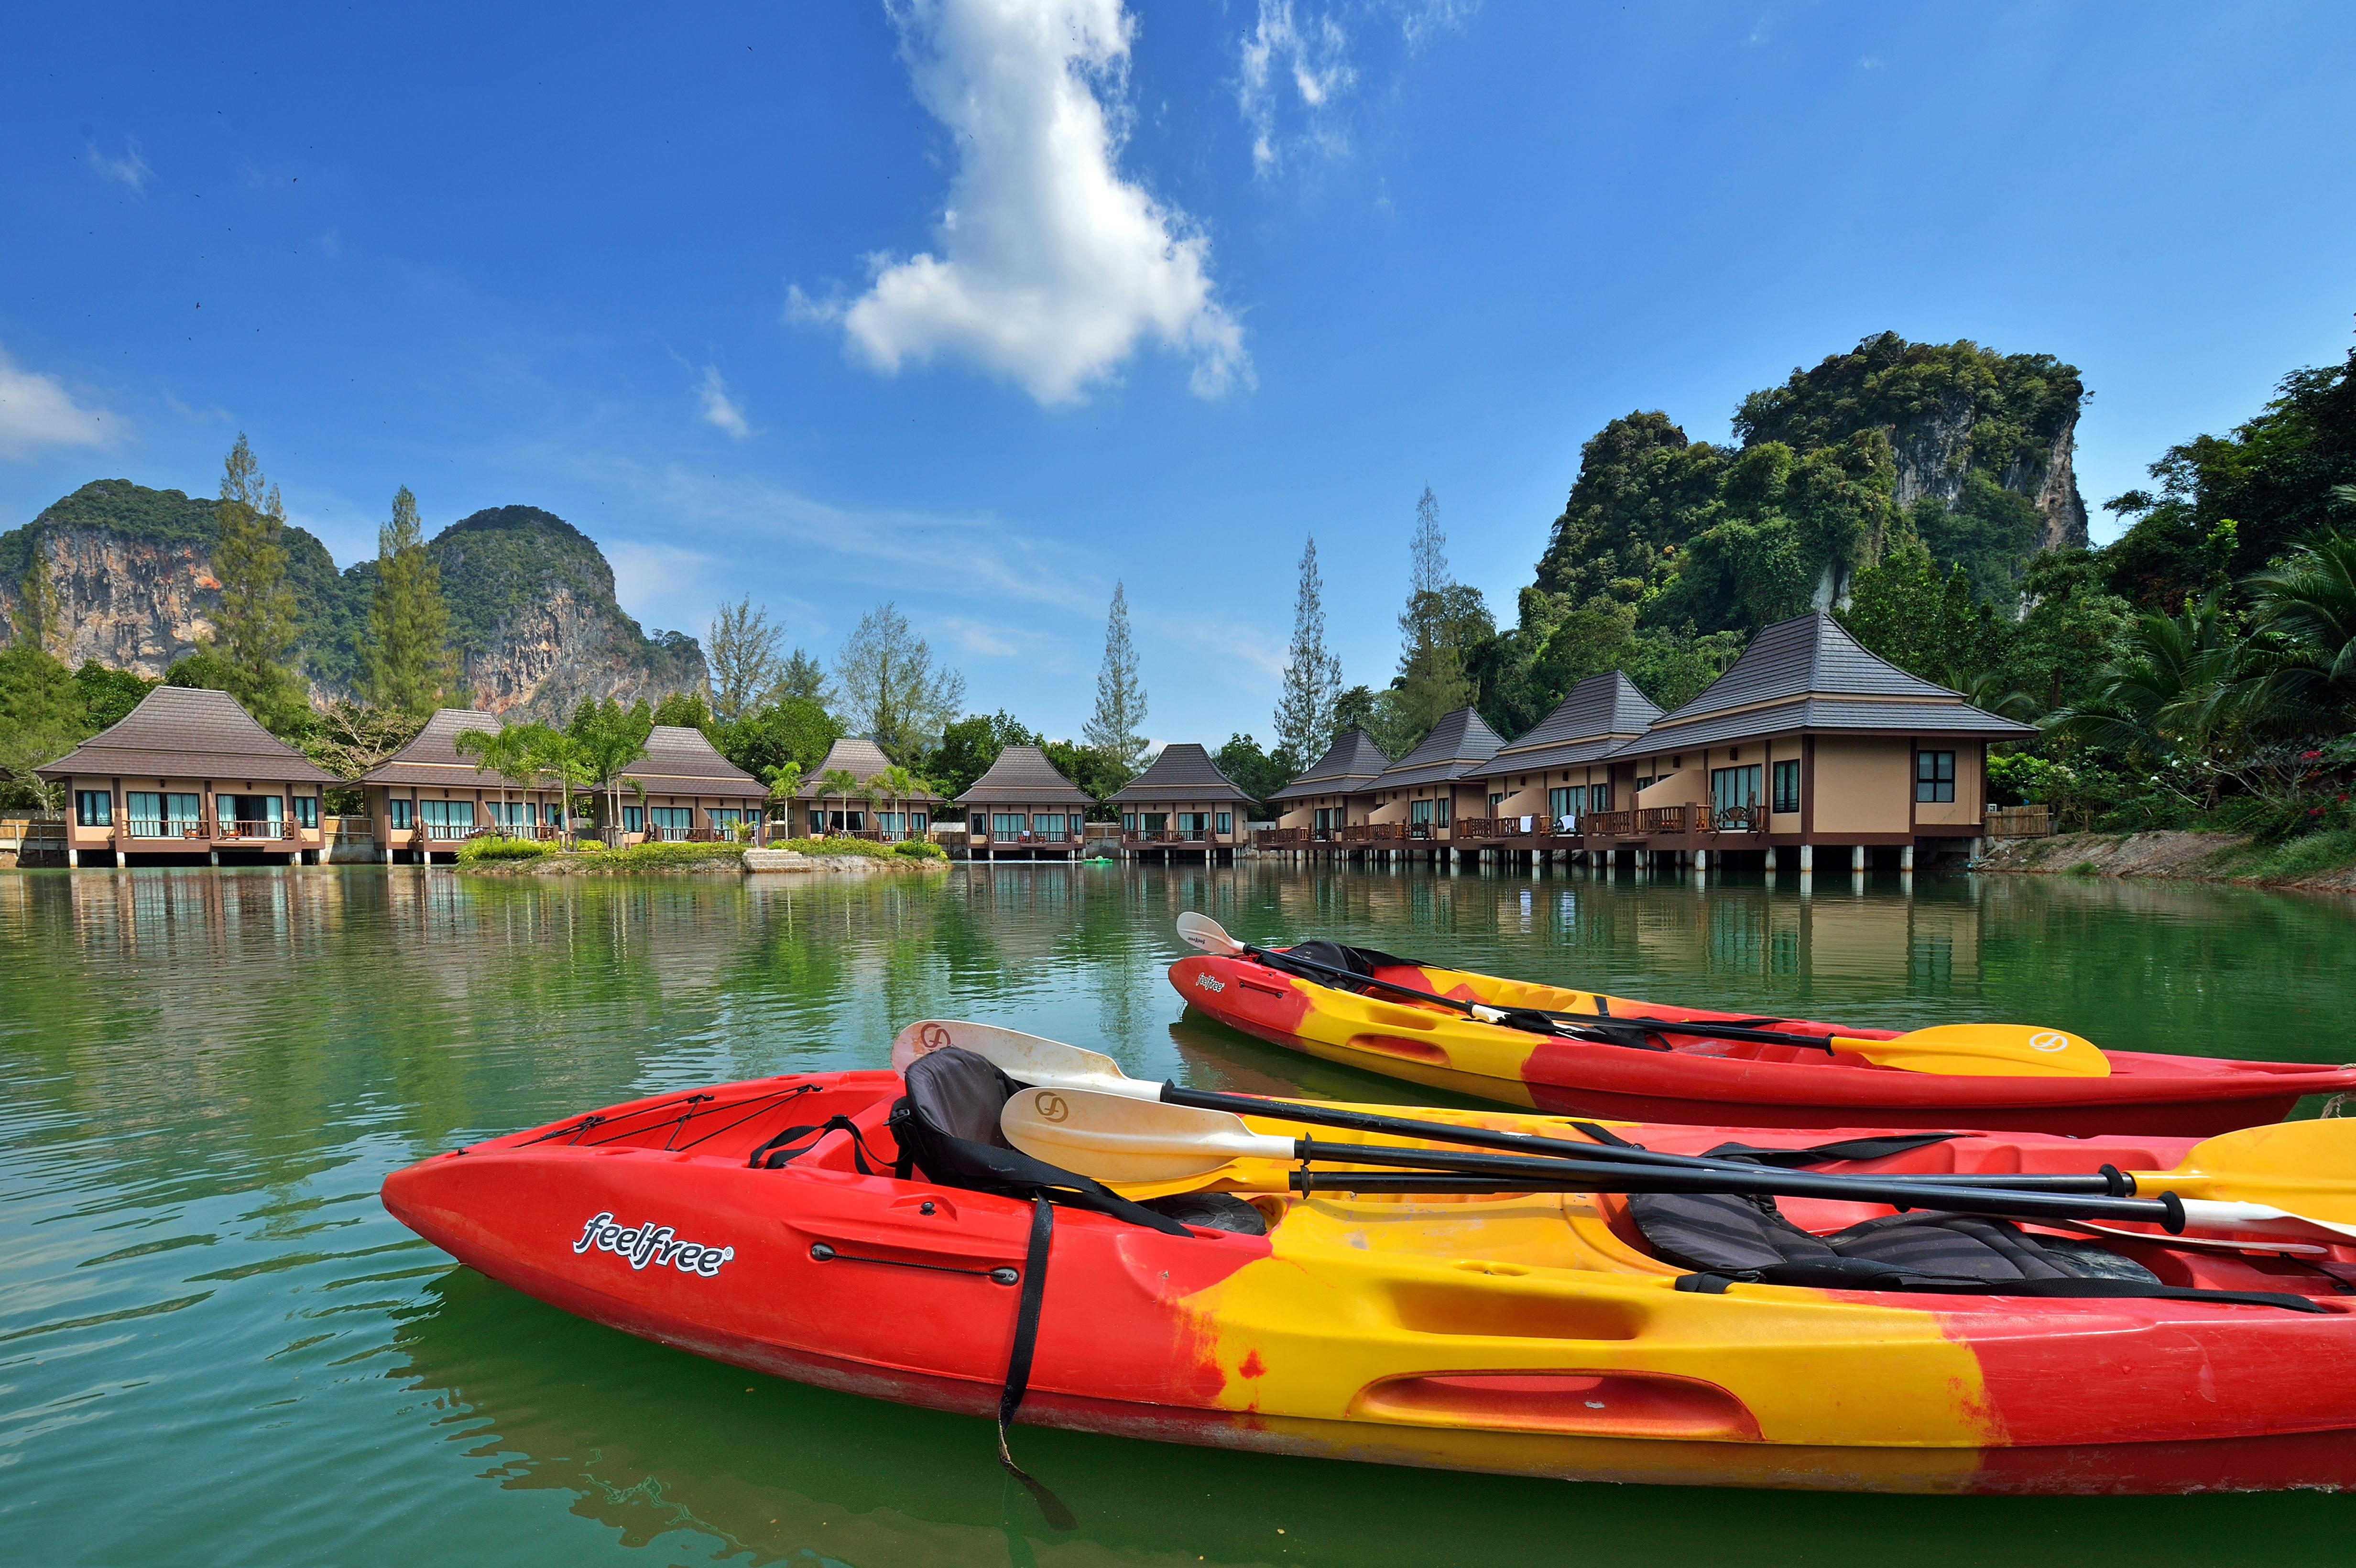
column 1562, row 1148
column 1580, row 1025
column 1603, row 1175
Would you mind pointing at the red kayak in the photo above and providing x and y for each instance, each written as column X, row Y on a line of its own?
column 1698, row 1078
column 778, row 1224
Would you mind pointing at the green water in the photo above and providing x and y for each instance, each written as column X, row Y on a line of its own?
column 215, row 1347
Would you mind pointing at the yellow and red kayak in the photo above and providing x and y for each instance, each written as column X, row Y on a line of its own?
column 1727, row 1083
column 772, row 1224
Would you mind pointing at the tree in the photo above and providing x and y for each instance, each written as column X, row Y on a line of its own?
column 552, row 754
column 1312, row 676
column 839, row 783
column 803, row 676
column 891, row 686
column 351, row 738
column 507, row 751
column 40, row 720
column 40, row 620
column 410, row 665
column 791, row 729
column 108, row 696
column 685, row 710
column 1432, row 629
column 1920, row 619
column 1116, row 728
column 895, row 784
column 970, row 745
column 1255, row 771
column 784, row 782
column 254, row 628
column 608, row 737
column 745, row 668
column 1091, row 771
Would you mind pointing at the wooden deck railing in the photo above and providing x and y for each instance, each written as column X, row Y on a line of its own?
column 1374, row 832
column 1739, row 819
column 1281, row 837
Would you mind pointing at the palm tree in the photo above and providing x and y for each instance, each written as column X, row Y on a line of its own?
column 784, row 782
column 609, row 738
column 897, row 783
column 2306, row 670
column 2167, row 696
column 840, row 784
column 507, row 751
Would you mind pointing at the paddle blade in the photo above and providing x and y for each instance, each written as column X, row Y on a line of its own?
column 2307, row 1167
column 1115, row 1138
column 1202, row 931
column 1985, row 1051
column 1028, row 1058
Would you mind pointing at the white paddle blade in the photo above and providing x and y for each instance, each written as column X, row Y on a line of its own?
column 2262, row 1219
column 1027, row 1057
column 1202, row 931
column 1115, row 1138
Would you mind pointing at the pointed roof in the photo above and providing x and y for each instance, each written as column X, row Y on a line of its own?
column 1349, row 764
column 1603, row 712
column 1808, row 673
column 861, row 758
column 178, row 731
column 1023, row 776
column 1183, row 772
column 1456, row 747
column 682, row 760
column 433, row 757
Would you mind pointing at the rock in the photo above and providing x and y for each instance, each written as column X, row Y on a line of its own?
column 776, row 860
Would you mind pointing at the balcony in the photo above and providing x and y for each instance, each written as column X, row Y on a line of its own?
column 1281, row 837
column 1374, row 833
column 1608, row 825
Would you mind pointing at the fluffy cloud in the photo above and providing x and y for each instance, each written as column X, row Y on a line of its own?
column 1312, row 57
column 720, row 410
column 37, row 412
column 129, row 171
column 1051, row 266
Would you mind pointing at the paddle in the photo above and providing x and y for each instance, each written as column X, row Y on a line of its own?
column 2305, row 1163
column 1120, row 1139
column 1986, row 1051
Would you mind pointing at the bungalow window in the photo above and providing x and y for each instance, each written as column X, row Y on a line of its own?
column 728, row 817
column 979, row 826
column 1642, row 784
column 1495, row 802
column 1419, row 812
column 446, row 819
column 1227, row 822
column 1156, row 821
column 1731, row 788
column 1129, row 822
column 1787, row 785
column 1052, row 826
column 1934, row 777
column 817, row 823
column 93, row 808
column 634, row 819
column 916, row 822
column 1008, row 824
column 1567, row 803
column 402, row 814
column 306, row 810
column 671, row 823
column 1193, row 824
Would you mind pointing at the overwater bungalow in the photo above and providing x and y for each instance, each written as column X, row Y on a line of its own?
column 874, row 815
column 1419, row 798
column 1181, row 807
column 692, row 791
column 426, row 799
column 1334, row 794
column 1025, row 810
column 1561, row 770
column 189, row 772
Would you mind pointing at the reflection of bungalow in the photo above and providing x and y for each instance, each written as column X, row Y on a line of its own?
column 876, row 813
column 692, row 793
column 1809, row 740
column 1181, row 806
column 426, row 798
column 1023, row 809
column 1423, row 794
column 1559, row 771
column 189, row 771
column 1333, row 795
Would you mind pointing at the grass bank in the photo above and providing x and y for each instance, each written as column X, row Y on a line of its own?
column 510, row 857
column 2323, row 862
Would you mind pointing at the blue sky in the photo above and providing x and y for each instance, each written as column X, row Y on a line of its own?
column 982, row 307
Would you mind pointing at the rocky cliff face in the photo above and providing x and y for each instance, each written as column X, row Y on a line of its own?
column 531, row 600
column 1935, row 451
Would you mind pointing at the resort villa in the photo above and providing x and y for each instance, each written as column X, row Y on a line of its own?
column 1025, row 810
column 1333, row 795
column 1807, row 742
column 1182, row 805
column 872, row 812
column 426, row 798
column 189, row 772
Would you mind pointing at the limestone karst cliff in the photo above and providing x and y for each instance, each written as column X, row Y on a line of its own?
column 532, row 599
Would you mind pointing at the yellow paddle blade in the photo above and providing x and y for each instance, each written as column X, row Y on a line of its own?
column 2306, row 1167
column 1115, row 1138
column 1985, row 1051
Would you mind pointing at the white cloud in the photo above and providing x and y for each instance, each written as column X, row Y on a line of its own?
column 37, row 412
column 1758, row 33
column 1222, row 640
column 1419, row 21
column 1312, row 57
column 129, row 171
column 1053, row 267
column 1869, row 62
column 721, row 410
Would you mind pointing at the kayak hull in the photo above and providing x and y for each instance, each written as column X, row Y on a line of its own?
column 1721, row 1083
column 1514, row 1335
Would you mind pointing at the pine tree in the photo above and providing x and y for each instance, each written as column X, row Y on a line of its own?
column 1114, row 732
column 411, row 667
column 40, row 619
column 1312, row 676
column 1431, row 682
column 744, row 664
column 254, row 627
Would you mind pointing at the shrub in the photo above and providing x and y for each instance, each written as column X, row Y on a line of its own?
column 494, row 849
column 920, row 849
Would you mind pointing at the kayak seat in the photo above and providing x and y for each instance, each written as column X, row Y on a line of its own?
column 947, row 1129
column 1743, row 1239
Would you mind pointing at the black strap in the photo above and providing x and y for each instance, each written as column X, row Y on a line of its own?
column 774, row 1155
column 1824, row 1154
column 2052, row 1289
column 1018, row 1361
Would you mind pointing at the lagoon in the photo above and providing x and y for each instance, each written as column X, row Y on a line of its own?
column 216, row 1348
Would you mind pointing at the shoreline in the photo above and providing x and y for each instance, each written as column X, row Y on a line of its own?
column 746, row 862
column 2324, row 863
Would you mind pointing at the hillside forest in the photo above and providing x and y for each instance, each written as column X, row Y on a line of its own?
column 2197, row 671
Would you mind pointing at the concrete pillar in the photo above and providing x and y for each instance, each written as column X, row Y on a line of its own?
column 1977, row 847
column 1856, row 857
column 213, row 856
column 1807, row 859
column 1906, row 859
column 1701, row 862
column 73, row 858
